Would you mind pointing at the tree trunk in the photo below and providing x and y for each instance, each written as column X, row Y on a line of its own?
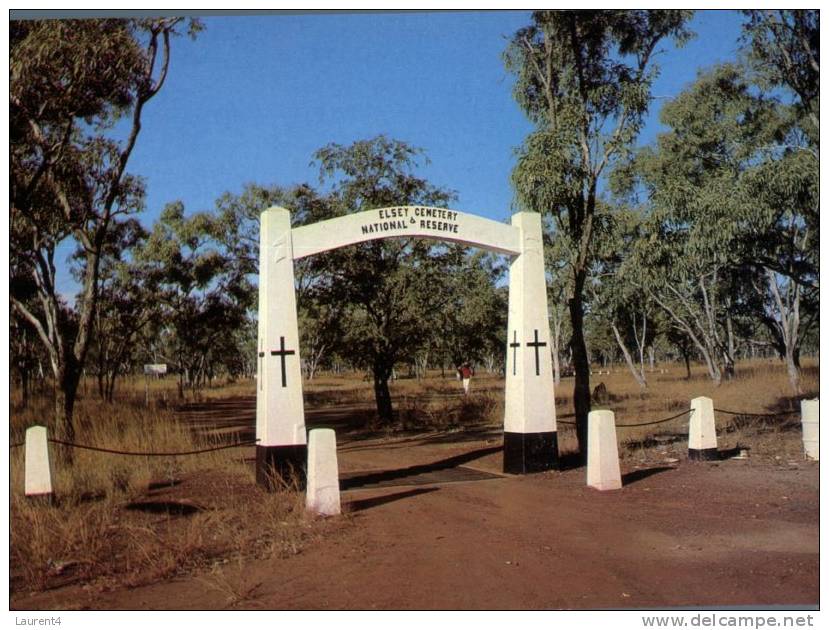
column 793, row 369
column 555, row 347
column 110, row 385
column 786, row 326
column 728, row 366
column 581, row 364
column 314, row 361
column 66, row 389
column 382, row 396
column 101, row 378
column 638, row 374
column 729, row 360
column 729, row 351
column 713, row 369
column 421, row 365
column 556, row 369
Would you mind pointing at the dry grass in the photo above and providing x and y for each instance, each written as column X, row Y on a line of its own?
column 138, row 539
column 759, row 386
column 122, row 426
column 232, row 581
column 133, row 520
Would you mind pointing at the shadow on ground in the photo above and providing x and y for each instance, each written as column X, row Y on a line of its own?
column 359, row 505
column 424, row 473
column 639, row 475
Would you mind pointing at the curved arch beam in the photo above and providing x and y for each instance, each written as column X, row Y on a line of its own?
column 406, row 221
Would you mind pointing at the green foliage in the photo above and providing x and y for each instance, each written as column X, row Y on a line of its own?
column 384, row 287
column 86, row 69
column 784, row 50
column 473, row 311
column 126, row 308
column 383, row 302
column 583, row 78
column 236, row 222
column 732, row 203
column 71, row 81
column 202, row 295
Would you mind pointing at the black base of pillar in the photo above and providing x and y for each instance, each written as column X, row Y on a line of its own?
column 530, row 452
column 703, row 454
column 282, row 466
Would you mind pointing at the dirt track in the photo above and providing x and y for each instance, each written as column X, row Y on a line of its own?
column 732, row 533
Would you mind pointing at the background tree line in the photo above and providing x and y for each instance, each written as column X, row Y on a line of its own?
column 708, row 237
column 702, row 246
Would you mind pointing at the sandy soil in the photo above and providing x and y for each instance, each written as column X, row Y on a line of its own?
column 431, row 523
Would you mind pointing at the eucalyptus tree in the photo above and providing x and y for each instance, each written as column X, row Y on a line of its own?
column 202, row 293
column 619, row 300
column 691, row 247
column 320, row 331
column 783, row 58
column 234, row 226
column 127, row 306
column 784, row 53
column 558, row 288
column 386, row 288
column 781, row 247
column 474, row 311
column 784, row 50
column 583, row 78
column 71, row 81
column 734, row 206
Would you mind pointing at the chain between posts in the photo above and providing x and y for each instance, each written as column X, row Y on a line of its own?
column 251, row 442
column 641, row 424
column 145, row 454
column 755, row 415
column 682, row 413
column 646, row 424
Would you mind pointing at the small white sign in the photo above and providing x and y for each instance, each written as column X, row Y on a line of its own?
column 155, row 368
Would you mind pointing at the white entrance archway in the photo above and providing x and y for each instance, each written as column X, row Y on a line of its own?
column 530, row 441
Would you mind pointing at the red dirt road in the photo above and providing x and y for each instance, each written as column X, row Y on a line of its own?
column 732, row 533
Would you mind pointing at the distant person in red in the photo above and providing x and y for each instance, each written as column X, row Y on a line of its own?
column 466, row 373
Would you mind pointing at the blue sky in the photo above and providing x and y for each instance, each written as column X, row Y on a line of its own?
column 254, row 96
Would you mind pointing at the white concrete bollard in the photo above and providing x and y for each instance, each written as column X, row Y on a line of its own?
column 702, row 430
column 810, row 420
column 603, row 471
column 38, row 479
column 322, row 494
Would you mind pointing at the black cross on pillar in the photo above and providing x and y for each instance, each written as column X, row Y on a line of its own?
column 536, row 344
column 514, row 345
column 282, row 353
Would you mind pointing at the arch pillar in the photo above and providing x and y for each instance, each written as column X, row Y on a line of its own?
column 530, row 437
column 280, row 415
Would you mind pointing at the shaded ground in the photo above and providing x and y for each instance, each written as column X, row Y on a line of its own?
column 431, row 522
